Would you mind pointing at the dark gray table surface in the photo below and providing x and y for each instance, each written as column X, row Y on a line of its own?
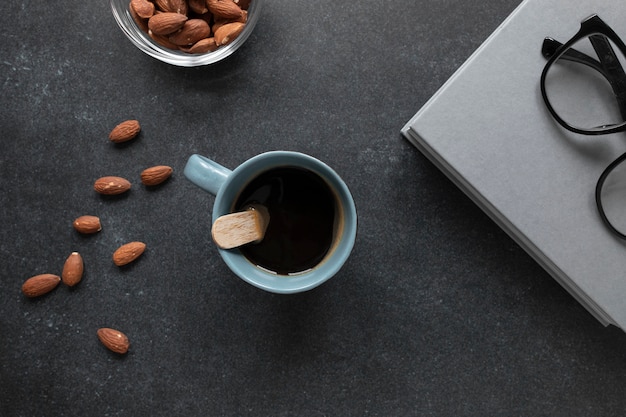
column 436, row 313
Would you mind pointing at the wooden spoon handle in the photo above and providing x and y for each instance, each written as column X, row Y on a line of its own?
column 237, row 229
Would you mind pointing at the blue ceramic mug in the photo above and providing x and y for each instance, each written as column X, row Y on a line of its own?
column 227, row 186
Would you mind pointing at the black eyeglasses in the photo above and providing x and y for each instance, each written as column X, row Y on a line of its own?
column 584, row 88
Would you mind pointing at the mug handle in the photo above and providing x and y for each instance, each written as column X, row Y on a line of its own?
column 205, row 173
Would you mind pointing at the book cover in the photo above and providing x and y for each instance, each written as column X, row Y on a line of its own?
column 488, row 130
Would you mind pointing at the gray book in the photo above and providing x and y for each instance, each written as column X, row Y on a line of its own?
column 488, row 130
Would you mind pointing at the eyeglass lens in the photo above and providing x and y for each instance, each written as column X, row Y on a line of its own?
column 581, row 85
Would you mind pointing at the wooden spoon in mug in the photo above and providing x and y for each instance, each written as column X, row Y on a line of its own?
column 237, row 229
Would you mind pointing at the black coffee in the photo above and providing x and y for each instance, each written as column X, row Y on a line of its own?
column 302, row 211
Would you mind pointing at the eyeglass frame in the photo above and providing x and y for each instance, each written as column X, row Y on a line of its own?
column 594, row 28
column 554, row 51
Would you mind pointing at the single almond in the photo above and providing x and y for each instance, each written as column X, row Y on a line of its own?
column 218, row 23
column 127, row 253
column 73, row 269
column 192, row 31
column 143, row 8
column 87, row 224
column 166, row 23
column 181, row 6
column 125, row 131
column 173, row 6
column 227, row 33
column 114, row 340
column 111, row 185
column 40, row 284
column 203, row 46
column 140, row 21
column 155, row 175
column 162, row 40
column 226, row 9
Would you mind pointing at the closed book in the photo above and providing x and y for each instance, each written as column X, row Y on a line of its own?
column 488, row 130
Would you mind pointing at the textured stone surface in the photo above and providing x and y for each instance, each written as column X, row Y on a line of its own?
column 437, row 312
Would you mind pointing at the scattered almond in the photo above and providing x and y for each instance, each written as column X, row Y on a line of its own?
column 155, row 175
column 125, row 131
column 114, row 340
column 111, row 185
column 127, row 253
column 87, row 224
column 73, row 269
column 40, row 285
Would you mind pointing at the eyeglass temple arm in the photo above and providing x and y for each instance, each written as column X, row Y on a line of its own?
column 550, row 46
column 610, row 66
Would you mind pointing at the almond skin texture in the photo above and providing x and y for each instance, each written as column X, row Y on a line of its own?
column 87, row 224
column 203, row 46
column 125, row 131
column 174, row 6
column 225, row 9
column 141, row 22
column 218, row 23
column 162, row 40
column 156, row 175
column 192, row 31
column 198, row 6
column 111, row 185
column 40, row 285
column 244, row 4
column 143, row 8
column 114, row 340
column 166, row 23
column 127, row 253
column 227, row 33
column 73, row 269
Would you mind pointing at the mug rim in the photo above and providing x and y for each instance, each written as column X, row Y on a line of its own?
column 331, row 264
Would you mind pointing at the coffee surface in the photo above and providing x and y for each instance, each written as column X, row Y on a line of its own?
column 302, row 210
